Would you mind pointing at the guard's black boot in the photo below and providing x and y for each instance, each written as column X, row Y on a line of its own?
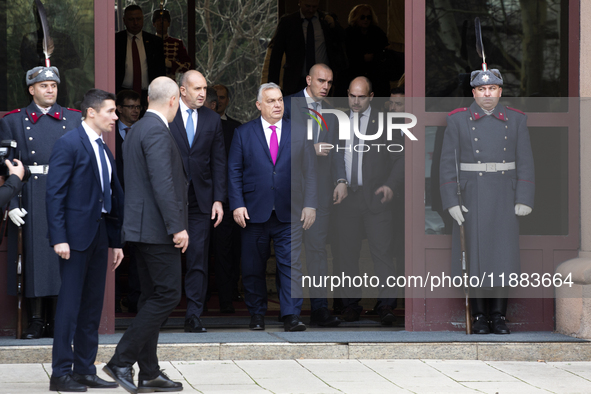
column 50, row 307
column 36, row 321
column 498, row 310
column 479, row 313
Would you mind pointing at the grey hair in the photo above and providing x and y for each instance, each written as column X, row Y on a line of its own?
column 162, row 89
column 266, row 86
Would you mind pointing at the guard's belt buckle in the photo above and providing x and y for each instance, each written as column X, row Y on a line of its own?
column 39, row 169
column 491, row 167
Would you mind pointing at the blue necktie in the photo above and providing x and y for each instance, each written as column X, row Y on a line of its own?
column 190, row 127
column 106, row 183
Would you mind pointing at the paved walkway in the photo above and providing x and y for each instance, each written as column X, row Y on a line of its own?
column 342, row 376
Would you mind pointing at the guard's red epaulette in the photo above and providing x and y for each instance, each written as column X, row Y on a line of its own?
column 73, row 109
column 455, row 111
column 516, row 110
column 14, row 111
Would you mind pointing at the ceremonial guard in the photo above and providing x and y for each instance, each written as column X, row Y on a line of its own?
column 487, row 156
column 35, row 129
column 176, row 58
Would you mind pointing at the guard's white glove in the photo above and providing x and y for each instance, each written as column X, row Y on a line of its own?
column 456, row 213
column 522, row 210
column 17, row 215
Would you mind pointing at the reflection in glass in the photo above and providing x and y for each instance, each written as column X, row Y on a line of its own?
column 526, row 40
column 72, row 29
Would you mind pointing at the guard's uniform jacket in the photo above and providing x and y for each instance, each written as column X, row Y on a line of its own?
column 35, row 135
column 492, row 228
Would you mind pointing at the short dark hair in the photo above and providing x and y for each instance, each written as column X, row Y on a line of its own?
column 127, row 95
column 94, row 99
column 220, row 86
column 397, row 90
column 133, row 7
column 211, row 95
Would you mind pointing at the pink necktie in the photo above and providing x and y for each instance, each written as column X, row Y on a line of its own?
column 274, row 145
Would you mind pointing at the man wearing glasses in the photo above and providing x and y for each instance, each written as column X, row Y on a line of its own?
column 129, row 109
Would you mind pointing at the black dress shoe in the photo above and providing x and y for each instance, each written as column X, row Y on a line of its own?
column 386, row 315
column 480, row 325
column 193, row 324
column 35, row 330
column 350, row 314
column 160, row 384
column 227, row 309
column 293, row 323
column 65, row 383
column 322, row 317
column 122, row 375
column 498, row 325
column 337, row 306
column 94, row 381
column 257, row 322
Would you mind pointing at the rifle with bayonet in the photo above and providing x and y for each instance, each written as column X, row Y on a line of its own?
column 463, row 258
column 19, row 275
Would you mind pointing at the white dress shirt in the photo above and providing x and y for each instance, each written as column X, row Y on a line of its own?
column 349, row 148
column 92, row 136
column 128, row 79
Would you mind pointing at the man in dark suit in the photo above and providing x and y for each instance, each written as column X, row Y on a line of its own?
column 226, row 236
column 197, row 131
column 84, row 215
column 128, row 109
column 306, row 37
column 374, row 176
column 156, row 226
column 138, row 55
column 269, row 204
column 331, row 185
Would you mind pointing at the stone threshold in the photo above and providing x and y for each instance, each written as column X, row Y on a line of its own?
column 484, row 351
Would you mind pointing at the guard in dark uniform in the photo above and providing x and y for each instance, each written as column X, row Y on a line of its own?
column 35, row 129
column 496, row 171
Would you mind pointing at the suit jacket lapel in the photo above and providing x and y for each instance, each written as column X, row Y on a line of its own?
column 178, row 122
column 87, row 145
column 111, row 159
column 285, row 138
column 372, row 128
column 260, row 133
column 200, row 123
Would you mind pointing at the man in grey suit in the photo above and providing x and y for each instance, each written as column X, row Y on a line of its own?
column 155, row 223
